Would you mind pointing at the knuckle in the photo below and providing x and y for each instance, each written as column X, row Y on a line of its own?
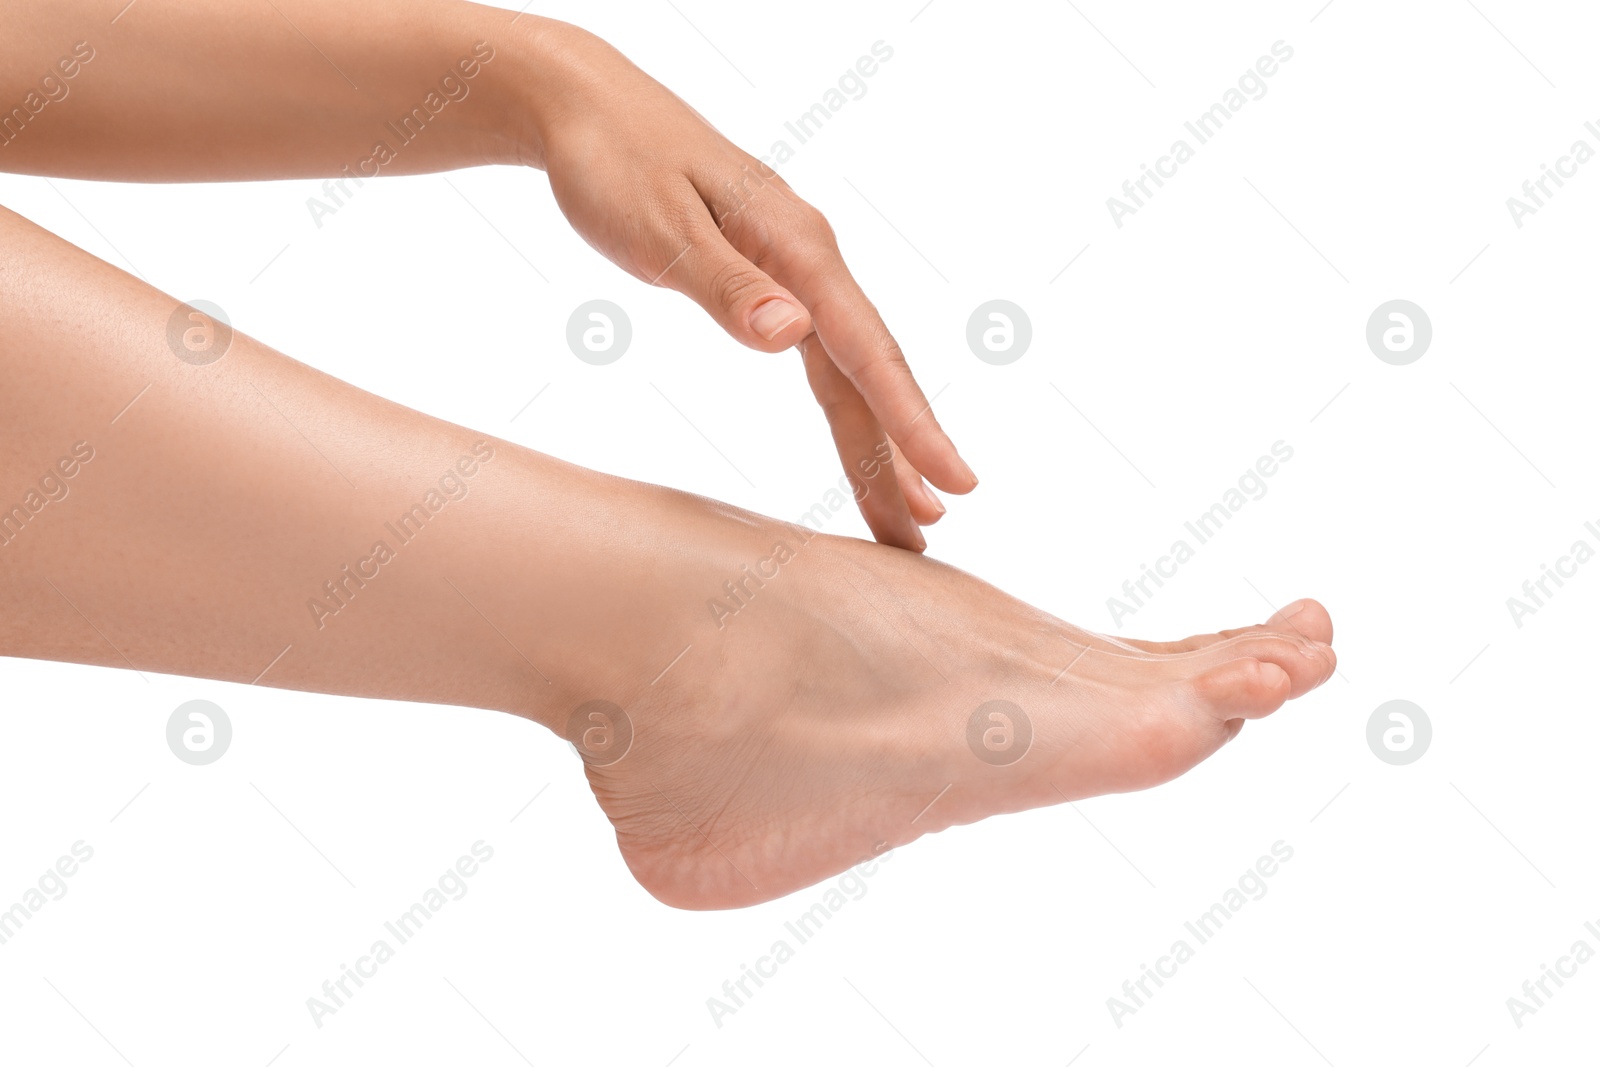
column 889, row 359
column 816, row 226
column 803, row 223
column 732, row 283
column 837, row 399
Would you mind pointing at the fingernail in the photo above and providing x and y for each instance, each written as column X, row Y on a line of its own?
column 773, row 317
column 973, row 478
column 1292, row 610
column 938, row 505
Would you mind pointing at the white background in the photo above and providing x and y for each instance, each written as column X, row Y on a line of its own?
column 1227, row 314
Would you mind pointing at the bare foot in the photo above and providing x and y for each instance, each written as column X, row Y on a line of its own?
column 844, row 700
column 797, row 701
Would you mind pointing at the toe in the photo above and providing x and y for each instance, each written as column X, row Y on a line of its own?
column 1307, row 663
column 1306, row 618
column 1242, row 689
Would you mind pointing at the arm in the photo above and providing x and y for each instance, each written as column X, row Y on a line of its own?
column 230, row 91
column 233, row 90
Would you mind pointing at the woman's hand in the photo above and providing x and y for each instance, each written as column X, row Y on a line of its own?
column 234, row 90
column 655, row 188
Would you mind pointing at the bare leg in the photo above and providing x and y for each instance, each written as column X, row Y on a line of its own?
column 217, row 514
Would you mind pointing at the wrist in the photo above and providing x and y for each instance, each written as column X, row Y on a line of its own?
column 542, row 69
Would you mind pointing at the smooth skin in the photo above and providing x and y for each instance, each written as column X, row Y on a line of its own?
column 823, row 722
column 237, row 90
column 770, row 749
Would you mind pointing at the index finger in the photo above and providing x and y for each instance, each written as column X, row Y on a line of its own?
column 861, row 346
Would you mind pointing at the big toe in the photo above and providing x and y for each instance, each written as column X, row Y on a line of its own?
column 1305, row 617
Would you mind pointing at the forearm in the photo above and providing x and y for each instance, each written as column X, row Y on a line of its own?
column 239, row 90
column 254, row 519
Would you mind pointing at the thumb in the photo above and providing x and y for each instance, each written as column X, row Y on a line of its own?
column 755, row 310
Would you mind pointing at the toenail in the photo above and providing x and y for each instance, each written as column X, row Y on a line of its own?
column 1311, row 650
